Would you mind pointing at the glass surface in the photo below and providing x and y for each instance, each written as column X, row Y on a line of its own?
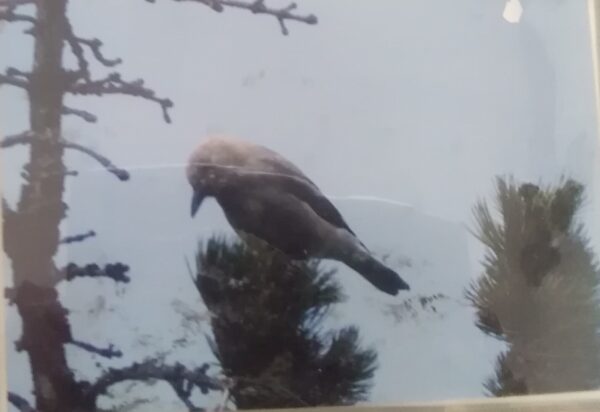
column 394, row 202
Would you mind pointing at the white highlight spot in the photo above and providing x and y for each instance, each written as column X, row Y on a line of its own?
column 513, row 10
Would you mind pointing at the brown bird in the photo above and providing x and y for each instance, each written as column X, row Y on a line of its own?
column 267, row 199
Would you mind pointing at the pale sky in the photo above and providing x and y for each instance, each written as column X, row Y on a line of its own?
column 402, row 111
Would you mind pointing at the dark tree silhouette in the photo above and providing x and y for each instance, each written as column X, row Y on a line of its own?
column 266, row 318
column 539, row 290
column 31, row 230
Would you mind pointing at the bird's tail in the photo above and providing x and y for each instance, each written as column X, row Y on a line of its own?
column 379, row 275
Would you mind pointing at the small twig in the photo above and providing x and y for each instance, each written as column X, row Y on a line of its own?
column 15, row 77
column 223, row 404
column 281, row 14
column 15, row 3
column 13, row 81
column 114, row 84
column 20, row 403
column 10, row 294
column 87, row 116
column 259, row 7
column 10, row 16
column 13, row 71
column 82, row 63
column 95, row 46
column 10, row 228
column 114, row 271
column 13, row 140
column 109, row 352
column 151, row 369
column 78, row 238
column 184, row 397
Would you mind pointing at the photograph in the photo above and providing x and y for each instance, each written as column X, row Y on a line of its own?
column 220, row 205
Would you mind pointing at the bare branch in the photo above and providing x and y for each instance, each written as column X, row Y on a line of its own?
column 114, row 271
column 15, row 77
column 259, row 7
column 109, row 352
column 78, row 238
column 13, row 81
column 87, row 116
column 13, row 71
column 76, row 44
column 10, row 227
column 10, row 294
column 84, row 66
column 113, row 84
column 29, row 137
column 95, row 46
column 177, row 375
column 121, row 174
column 10, row 16
column 20, row 403
column 13, row 140
column 15, row 3
column 184, row 396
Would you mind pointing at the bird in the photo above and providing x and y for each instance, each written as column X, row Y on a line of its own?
column 267, row 199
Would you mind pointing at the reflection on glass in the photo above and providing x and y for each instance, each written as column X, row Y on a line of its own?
column 364, row 255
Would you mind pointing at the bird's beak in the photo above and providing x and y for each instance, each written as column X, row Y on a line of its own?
column 197, row 199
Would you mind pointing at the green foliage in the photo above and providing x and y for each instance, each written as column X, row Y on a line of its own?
column 267, row 314
column 539, row 290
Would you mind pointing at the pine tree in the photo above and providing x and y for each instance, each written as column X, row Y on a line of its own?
column 267, row 314
column 539, row 290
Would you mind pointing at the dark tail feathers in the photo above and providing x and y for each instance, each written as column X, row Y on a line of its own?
column 379, row 275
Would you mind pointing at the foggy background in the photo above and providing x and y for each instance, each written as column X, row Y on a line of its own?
column 402, row 111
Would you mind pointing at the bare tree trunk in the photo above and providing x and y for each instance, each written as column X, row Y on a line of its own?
column 31, row 232
column 33, row 229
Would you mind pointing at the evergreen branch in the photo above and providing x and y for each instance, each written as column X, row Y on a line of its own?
column 184, row 395
column 78, row 238
column 114, row 271
column 20, row 403
column 87, row 116
column 282, row 14
column 109, row 352
column 176, row 375
column 114, row 84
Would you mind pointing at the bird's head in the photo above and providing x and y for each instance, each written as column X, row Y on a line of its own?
column 209, row 167
column 201, row 176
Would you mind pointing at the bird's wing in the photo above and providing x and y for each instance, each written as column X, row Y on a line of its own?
column 302, row 189
column 271, row 161
column 280, row 172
